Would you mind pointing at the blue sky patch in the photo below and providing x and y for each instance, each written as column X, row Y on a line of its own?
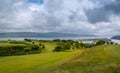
column 36, row 1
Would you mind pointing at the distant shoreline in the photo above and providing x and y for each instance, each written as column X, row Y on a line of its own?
column 61, row 38
column 51, row 38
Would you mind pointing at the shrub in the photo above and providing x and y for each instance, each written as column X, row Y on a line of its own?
column 77, row 45
column 11, row 50
column 100, row 42
column 58, row 49
column 28, row 40
column 57, row 40
column 62, row 47
column 67, row 46
column 19, row 50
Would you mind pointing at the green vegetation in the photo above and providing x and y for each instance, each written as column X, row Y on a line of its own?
column 100, row 42
column 99, row 59
column 62, row 47
column 18, row 48
column 28, row 46
column 35, row 63
column 59, row 56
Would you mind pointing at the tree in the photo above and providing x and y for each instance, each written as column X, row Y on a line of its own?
column 33, row 43
column 62, row 47
column 73, row 47
column 57, row 49
column 67, row 46
column 57, row 40
column 28, row 40
column 43, row 46
column 100, row 42
column 40, row 44
column 77, row 45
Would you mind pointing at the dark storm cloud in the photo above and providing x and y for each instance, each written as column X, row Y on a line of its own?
column 97, row 15
column 114, row 7
column 102, row 14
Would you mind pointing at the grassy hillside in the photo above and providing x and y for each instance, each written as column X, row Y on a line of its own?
column 33, row 63
column 49, row 46
column 12, row 47
column 98, row 59
column 101, row 59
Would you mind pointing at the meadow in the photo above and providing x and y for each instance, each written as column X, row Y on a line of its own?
column 35, row 63
column 103, row 58
column 100, row 59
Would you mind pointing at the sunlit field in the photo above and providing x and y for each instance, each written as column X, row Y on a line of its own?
column 101, row 59
column 33, row 63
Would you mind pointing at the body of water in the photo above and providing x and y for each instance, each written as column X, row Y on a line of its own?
column 115, row 41
column 51, row 38
column 62, row 38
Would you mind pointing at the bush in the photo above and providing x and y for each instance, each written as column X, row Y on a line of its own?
column 87, row 45
column 77, row 45
column 57, row 40
column 62, row 47
column 100, row 42
column 58, row 49
column 18, row 42
column 11, row 50
column 19, row 50
column 28, row 40
column 67, row 46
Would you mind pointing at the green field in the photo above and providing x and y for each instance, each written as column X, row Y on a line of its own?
column 49, row 46
column 101, row 59
column 33, row 63
column 98, row 59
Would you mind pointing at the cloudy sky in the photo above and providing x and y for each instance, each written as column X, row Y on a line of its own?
column 99, row 17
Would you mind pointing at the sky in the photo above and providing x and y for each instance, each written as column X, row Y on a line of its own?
column 98, row 17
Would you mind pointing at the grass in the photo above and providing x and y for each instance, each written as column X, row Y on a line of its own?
column 5, row 44
column 101, row 59
column 98, row 59
column 49, row 46
column 32, row 63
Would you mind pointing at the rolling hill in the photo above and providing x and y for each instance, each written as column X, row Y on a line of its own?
column 41, row 35
column 98, row 59
column 101, row 59
column 116, row 37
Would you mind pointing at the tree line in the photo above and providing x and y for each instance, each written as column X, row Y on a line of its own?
column 66, row 45
column 21, row 49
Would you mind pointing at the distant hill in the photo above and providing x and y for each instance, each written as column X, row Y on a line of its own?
column 37, row 35
column 116, row 37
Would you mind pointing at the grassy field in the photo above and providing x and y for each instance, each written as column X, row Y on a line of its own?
column 101, row 59
column 50, row 46
column 33, row 63
column 98, row 59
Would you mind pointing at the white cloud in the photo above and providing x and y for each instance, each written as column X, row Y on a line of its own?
column 57, row 16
